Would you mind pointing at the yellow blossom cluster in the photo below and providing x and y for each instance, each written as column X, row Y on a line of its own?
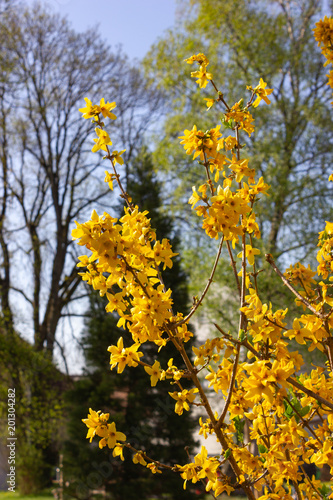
column 98, row 425
column 93, row 110
column 202, row 76
column 299, row 275
column 323, row 33
column 205, row 467
column 124, row 266
column 261, row 93
column 221, row 213
column 182, row 399
column 325, row 254
column 205, row 352
column 240, row 116
column 225, row 211
column 276, row 418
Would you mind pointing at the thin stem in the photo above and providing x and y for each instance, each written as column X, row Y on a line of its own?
column 226, row 335
column 123, row 192
column 242, row 319
column 220, row 95
column 130, row 268
column 311, row 483
column 254, row 268
column 151, row 460
column 305, row 423
column 230, row 389
column 237, row 144
column 310, row 393
column 209, row 181
column 275, row 323
column 329, row 345
column 249, row 103
column 209, row 282
column 258, row 478
column 295, row 484
column 109, row 156
column 233, row 265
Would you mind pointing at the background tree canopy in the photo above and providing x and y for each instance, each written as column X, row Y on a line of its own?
column 245, row 40
column 292, row 147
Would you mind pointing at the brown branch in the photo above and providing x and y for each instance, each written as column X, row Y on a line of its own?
column 230, row 389
column 151, row 460
column 295, row 484
column 132, row 271
column 310, row 393
column 218, row 431
column 220, row 95
column 124, row 193
column 233, row 265
column 209, row 282
column 311, row 483
column 242, row 319
column 255, row 273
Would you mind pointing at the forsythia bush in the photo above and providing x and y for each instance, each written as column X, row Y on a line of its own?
column 288, row 413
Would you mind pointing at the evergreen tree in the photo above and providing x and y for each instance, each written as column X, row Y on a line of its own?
column 147, row 414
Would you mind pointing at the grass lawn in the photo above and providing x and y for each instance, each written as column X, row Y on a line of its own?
column 8, row 495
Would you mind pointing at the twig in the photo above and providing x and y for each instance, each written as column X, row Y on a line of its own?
column 130, row 268
column 258, row 478
column 233, row 265
column 242, row 319
column 305, row 423
column 218, row 431
column 230, row 389
column 151, row 460
column 254, row 268
column 226, row 335
column 311, row 483
column 209, row 282
column 220, row 95
column 209, row 181
column 294, row 482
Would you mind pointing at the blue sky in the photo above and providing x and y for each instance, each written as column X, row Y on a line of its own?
column 135, row 24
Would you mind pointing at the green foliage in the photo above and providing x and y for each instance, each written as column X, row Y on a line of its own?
column 325, row 491
column 33, row 473
column 38, row 411
column 239, row 424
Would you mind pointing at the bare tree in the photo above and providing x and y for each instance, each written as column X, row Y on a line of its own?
column 53, row 179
